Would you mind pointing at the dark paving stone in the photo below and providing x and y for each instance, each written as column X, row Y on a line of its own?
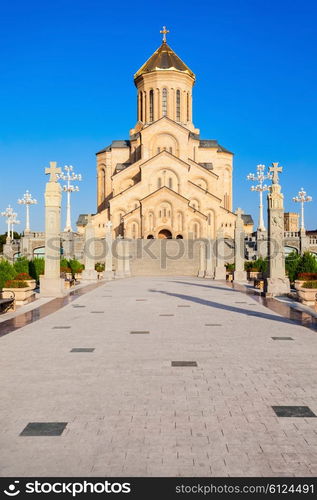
column 44, row 429
column 141, row 300
column 212, row 324
column 166, row 315
column 61, row 327
column 83, row 349
column 183, row 306
column 293, row 411
column 76, row 306
column 282, row 338
column 139, row 331
column 97, row 312
column 184, row 363
column 240, row 302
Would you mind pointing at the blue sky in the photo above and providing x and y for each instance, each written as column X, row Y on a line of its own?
column 66, row 88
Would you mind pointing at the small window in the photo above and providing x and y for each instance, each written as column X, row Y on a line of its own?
column 188, row 106
column 178, row 105
column 164, row 212
column 171, row 150
column 170, row 183
column 158, row 150
column 164, row 102
column 159, row 182
column 141, row 106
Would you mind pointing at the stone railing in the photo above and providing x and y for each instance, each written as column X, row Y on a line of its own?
column 291, row 234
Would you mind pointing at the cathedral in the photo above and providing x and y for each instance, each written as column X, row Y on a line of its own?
column 164, row 181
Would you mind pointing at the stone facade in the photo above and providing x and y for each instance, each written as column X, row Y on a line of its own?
column 164, row 181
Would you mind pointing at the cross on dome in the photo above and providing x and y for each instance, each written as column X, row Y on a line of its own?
column 164, row 32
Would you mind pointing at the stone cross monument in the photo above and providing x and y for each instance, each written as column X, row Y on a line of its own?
column 89, row 272
column 276, row 283
column 51, row 284
column 239, row 272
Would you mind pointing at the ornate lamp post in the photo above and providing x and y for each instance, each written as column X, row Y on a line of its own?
column 9, row 214
column 14, row 221
column 302, row 198
column 260, row 177
column 69, row 188
column 27, row 200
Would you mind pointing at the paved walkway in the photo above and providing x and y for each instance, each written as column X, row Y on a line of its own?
column 130, row 413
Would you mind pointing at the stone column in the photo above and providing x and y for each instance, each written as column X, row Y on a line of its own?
column 220, row 270
column 276, row 283
column 239, row 272
column 210, row 271
column 120, row 254
column 202, row 260
column 303, row 241
column 51, row 284
column 89, row 272
column 126, row 262
column 109, row 275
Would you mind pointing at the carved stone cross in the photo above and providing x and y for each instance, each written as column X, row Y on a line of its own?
column 275, row 169
column 53, row 170
column 239, row 212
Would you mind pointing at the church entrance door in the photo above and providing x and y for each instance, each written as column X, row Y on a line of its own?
column 165, row 234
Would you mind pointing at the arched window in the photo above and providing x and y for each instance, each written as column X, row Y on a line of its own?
column 164, row 212
column 170, row 183
column 151, row 105
column 141, row 107
column 196, row 230
column 159, row 182
column 164, row 102
column 134, row 231
column 178, row 105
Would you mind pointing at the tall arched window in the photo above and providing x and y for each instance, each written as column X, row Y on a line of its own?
column 141, row 107
column 170, row 183
column 178, row 105
column 164, row 102
column 159, row 182
column 151, row 105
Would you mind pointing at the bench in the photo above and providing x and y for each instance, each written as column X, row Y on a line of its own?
column 7, row 303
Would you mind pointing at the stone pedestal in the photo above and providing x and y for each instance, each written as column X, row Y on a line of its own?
column 202, row 260
column 239, row 250
column 220, row 270
column 120, row 254
column 126, row 262
column 276, row 282
column 89, row 272
column 51, row 284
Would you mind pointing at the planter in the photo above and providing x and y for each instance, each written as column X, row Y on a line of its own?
column 22, row 295
column 307, row 296
column 32, row 284
column 298, row 284
column 254, row 275
column 259, row 284
column 229, row 275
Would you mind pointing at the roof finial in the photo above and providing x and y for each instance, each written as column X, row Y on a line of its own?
column 164, row 31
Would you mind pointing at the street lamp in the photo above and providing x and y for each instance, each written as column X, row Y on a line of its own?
column 302, row 198
column 14, row 221
column 260, row 177
column 9, row 214
column 69, row 188
column 27, row 200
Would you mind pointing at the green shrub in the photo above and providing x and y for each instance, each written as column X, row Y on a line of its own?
column 75, row 266
column 230, row 267
column 23, row 277
column 64, row 263
column 291, row 265
column 309, row 284
column 36, row 267
column 15, row 284
column 307, row 263
column 7, row 272
column 100, row 267
column 259, row 265
column 21, row 265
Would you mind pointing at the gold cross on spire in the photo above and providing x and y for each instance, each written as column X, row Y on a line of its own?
column 164, row 32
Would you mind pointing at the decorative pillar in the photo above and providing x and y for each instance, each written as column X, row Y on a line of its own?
column 108, row 260
column 120, row 255
column 51, row 284
column 276, row 283
column 220, row 270
column 202, row 260
column 89, row 272
column 239, row 272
